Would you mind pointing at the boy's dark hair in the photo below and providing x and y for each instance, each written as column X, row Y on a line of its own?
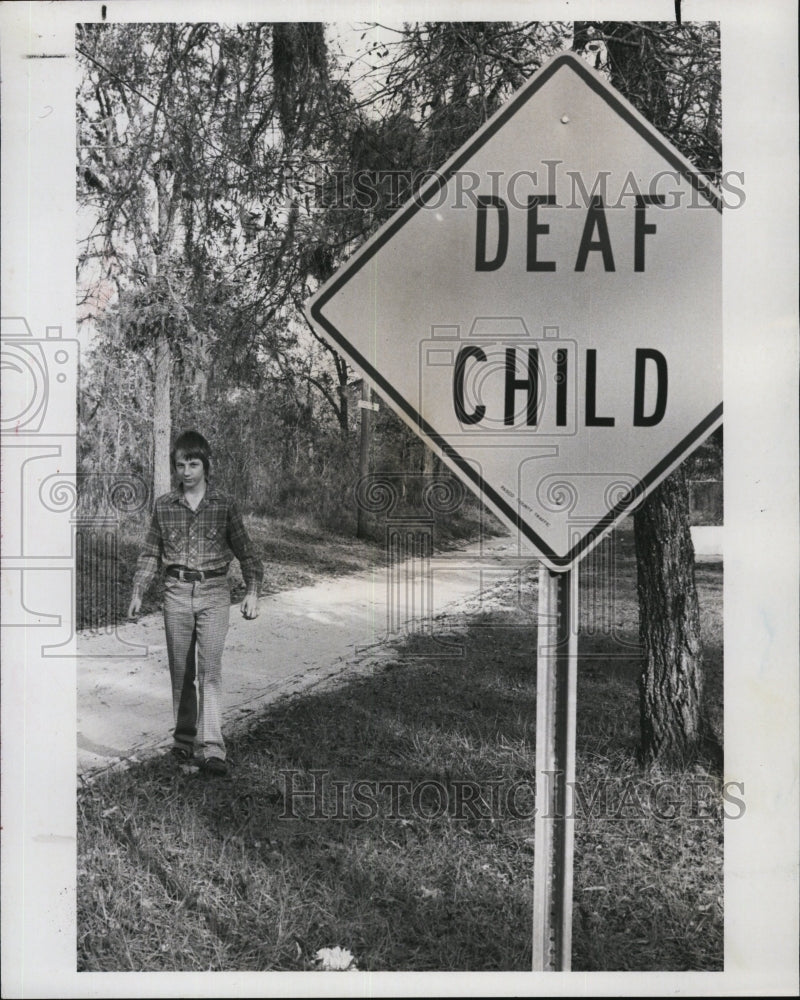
column 193, row 445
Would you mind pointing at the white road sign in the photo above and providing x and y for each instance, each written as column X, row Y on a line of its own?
column 546, row 312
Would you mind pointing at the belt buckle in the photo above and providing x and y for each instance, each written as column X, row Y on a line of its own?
column 194, row 575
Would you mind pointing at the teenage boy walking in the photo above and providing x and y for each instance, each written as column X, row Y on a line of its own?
column 194, row 532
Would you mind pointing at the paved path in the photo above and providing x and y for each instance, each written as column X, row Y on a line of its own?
column 301, row 638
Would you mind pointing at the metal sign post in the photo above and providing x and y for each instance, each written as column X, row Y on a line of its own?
column 569, row 359
column 556, row 689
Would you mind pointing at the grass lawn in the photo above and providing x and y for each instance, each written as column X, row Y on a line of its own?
column 393, row 816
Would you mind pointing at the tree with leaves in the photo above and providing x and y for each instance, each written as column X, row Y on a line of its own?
column 207, row 157
column 187, row 136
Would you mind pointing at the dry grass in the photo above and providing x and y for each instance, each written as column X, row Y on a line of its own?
column 177, row 872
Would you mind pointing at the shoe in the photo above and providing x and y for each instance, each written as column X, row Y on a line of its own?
column 182, row 754
column 214, row 767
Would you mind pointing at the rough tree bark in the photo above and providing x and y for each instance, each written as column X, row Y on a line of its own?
column 669, row 623
column 162, row 360
column 670, row 685
column 162, row 422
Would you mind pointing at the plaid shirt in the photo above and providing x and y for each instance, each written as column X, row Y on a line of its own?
column 204, row 539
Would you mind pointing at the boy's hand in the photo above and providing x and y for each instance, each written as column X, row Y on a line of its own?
column 134, row 607
column 250, row 606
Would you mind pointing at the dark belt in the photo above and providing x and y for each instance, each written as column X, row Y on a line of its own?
column 194, row 575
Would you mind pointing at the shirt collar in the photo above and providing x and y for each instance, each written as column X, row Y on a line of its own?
column 211, row 494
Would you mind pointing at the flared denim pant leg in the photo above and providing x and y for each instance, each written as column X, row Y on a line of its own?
column 196, row 617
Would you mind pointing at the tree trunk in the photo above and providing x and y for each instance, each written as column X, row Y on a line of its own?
column 344, row 404
column 162, row 366
column 670, row 685
column 162, row 424
column 669, row 621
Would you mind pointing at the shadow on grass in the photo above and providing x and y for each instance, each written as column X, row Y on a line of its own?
column 393, row 816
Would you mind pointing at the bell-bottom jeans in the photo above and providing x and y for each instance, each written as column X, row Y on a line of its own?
column 196, row 617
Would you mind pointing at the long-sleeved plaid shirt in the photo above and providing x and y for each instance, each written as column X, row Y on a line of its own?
column 204, row 539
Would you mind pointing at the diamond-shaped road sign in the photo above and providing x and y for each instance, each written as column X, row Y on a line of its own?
column 546, row 312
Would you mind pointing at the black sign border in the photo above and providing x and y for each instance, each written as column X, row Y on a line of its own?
column 632, row 117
